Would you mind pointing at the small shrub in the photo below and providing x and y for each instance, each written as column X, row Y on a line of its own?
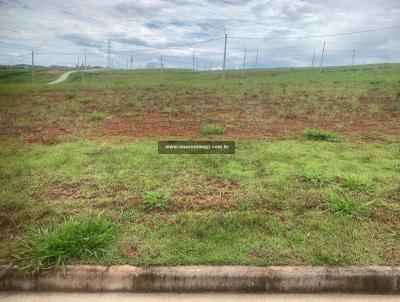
column 321, row 135
column 69, row 95
column 355, row 183
column 315, row 177
column 97, row 116
column 345, row 206
column 71, row 240
column 153, row 200
column 210, row 129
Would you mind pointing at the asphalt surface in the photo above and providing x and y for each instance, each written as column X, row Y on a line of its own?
column 209, row 297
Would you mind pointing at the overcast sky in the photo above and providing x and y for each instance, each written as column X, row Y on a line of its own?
column 60, row 31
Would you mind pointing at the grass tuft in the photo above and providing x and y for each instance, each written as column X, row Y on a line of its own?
column 345, row 206
column 153, row 200
column 72, row 240
column 210, row 129
column 97, row 116
column 321, row 135
column 316, row 177
column 355, row 183
column 70, row 95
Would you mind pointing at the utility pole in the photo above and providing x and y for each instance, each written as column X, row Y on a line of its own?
column 255, row 66
column 109, row 54
column 131, row 59
column 83, row 73
column 204, row 68
column 223, row 65
column 193, row 63
column 197, row 65
column 313, row 58
column 244, row 61
column 33, row 68
column 78, row 63
column 322, row 56
column 161, row 68
column 354, row 53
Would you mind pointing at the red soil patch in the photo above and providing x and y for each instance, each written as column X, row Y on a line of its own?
column 149, row 124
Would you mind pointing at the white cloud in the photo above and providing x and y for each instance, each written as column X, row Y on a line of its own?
column 69, row 27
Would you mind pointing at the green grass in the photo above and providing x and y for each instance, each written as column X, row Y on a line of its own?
column 355, row 183
column 211, row 129
column 321, row 135
column 153, row 200
column 282, row 199
column 97, row 117
column 245, row 208
column 316, row 177
column 346, row 206
column 72, row 240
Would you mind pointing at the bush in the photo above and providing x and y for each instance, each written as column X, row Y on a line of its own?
column 97, row 117
column 321, row 135
column 153, row 200
column 210, row 129
column 72, row 240
column 345, row 206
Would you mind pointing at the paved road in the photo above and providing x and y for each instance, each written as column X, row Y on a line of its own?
column 65, row 75
column 131, row 297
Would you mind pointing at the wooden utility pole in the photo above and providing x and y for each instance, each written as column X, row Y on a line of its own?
column 161, row 68
column 84, row 70
column 313, row 58
column 255, row 66
column 193, row 62
column 322, row 56
column 224, row 63
column 33, row 68
column 204, row 67
column 244, row 61
column 131, row 59
column 354, row 54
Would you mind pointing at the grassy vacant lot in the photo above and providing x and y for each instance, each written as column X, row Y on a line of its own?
column 315, row 178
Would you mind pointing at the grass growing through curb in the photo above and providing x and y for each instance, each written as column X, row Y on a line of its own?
column 346, row 206
column 72, row 240
column 97, row 116
column 154, row 200
column 321, row 135
column 211, row 129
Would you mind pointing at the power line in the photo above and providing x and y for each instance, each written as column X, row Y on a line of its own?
column 168, row 47
column 319, row 36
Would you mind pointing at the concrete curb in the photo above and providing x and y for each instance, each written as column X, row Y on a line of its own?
column 284, row 279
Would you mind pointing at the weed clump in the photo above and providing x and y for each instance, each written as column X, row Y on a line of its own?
column 154, row 200
column 211, row 129
column 97, row 117
column 70, row 95
column 355, row 183
column 345, row 206
column 316, row 177
column 71, row 240
column 321, row 135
